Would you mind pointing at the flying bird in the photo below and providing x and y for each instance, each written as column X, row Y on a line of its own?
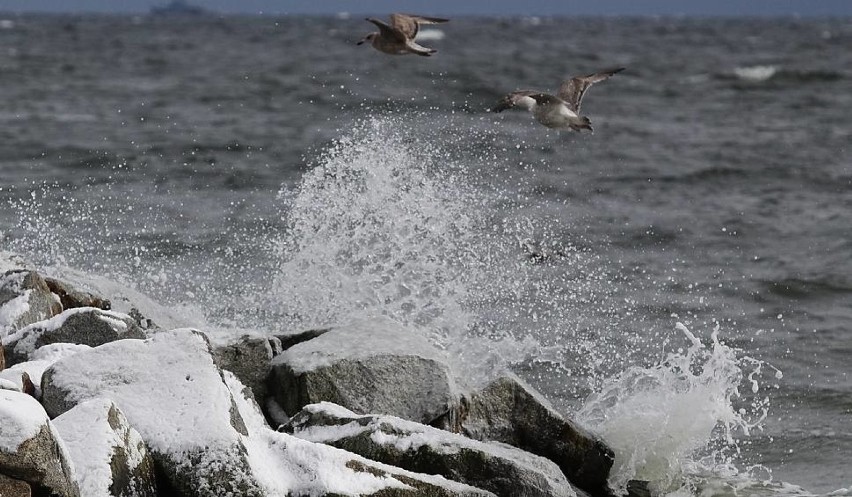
column 558, row 111
column 397, row 38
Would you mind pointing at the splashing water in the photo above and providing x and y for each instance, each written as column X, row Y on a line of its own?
column 384, row 224
column 658, row 419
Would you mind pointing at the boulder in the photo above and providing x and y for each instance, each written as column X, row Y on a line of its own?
column 70, row 297
column 10, row 487
column 287, row 465
column 288, row 340
column 30, row 449
column 109, row 456
column 368, row 367
column 83, row 325
column 173, row 394
column 26, row 376
column 24, row 299
column 250, row 359
column 510, row 411
column 2, row 357
column 499, row 468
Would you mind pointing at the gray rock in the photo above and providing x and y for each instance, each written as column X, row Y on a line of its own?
column 288, row 340
column 173, row 394
column 83, row 326
column 367, row 367
column 250, row 359
column 499, row 468
column 10, row 487
column 109, row 456
column 510, row 411
column 30, row 449
column 70, row 297
column 292, row 466
column 24, row 299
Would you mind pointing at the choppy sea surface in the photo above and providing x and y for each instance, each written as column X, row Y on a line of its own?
column 680, row 281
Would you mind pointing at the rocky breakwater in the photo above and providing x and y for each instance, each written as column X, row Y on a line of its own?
column 95, row 402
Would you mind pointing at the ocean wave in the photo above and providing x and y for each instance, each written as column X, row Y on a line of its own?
column 755, row 73
column 430, row 35
column 763, row 73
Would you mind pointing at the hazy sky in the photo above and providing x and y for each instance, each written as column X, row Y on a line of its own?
column 456, row 7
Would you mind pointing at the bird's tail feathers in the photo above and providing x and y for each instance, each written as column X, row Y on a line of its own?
column 586, row 124
column 419, row 49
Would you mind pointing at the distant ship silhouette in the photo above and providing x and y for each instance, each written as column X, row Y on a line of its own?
column 178, row 8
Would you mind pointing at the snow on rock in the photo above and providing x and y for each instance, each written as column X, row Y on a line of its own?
column 83, row 325
column 510, row 411
column 109, row 456
column 499, row 468
column 286, row 465
column 374, row 366
column 42, row 359
column 24, row 299
column 7, row 384
column 30, row 449
column 173, row 394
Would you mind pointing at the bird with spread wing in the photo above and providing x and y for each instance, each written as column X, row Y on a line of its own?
column 560, row 111
column 397, row 38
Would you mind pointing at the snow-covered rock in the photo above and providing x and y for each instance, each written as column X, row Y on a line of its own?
column 109, row 456
column 499, row 468
column 510, row 411
column 7, row 384
column 24, row 299
column 250, row 359
column 10, row 487
column 173, row 394
column 30, row 449
column 41, row 359
column 83, row 325
column 289, row 466
column 368, row 367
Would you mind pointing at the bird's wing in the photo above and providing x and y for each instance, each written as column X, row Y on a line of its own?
column 525, row 99
column 388, row 31
column 572, row 90
column 409, row 24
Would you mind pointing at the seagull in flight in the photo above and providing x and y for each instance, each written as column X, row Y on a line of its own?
column 397, row 38
column 560, row 111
